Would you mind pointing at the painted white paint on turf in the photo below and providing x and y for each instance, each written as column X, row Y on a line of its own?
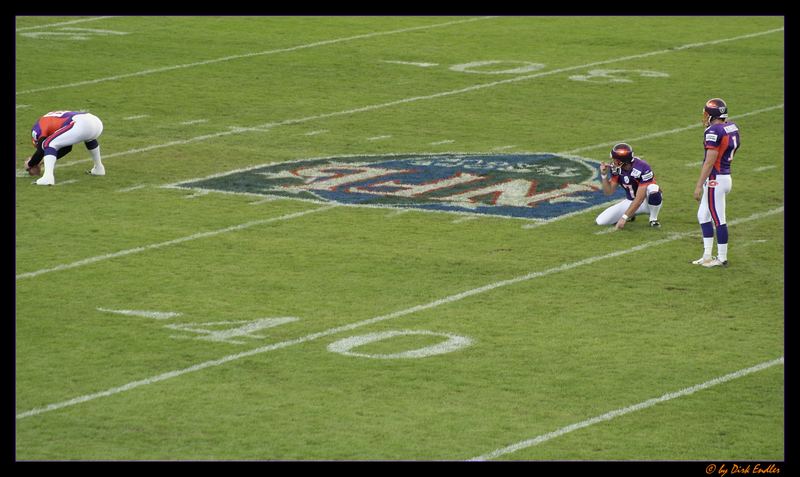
column 194, row 121
column 249, row 55
column 475, row 67
column 377, row 319
column 316, row 132
column 765, row 168
column 627, row 410
column 156, row 315
column 136, row 187
column 374, row 107
column 606, row 230
column 263, row 201
column 196, row 194
column 71, row 22
column 411, row 63
column 452, row 343
column 130, row 251
column 227, row 335
column 397, row 212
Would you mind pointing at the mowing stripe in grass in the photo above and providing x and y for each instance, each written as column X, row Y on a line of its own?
column 626, row 410
column 373, row 107
column 130, row 251
column 377, row 319
column 248, row 55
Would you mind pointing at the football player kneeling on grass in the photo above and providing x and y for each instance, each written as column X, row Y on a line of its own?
column 636, row 177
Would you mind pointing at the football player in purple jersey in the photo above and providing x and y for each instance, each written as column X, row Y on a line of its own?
column 636, row 177
column 721, row 141
column 53, row 136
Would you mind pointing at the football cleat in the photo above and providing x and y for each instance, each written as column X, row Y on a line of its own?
column 701, row 260
column 45, row 181
column 655, row 224
column 96, row 172
column 715, row 263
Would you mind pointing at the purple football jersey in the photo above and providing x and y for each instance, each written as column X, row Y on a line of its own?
column 725, row 139
column 640, row 173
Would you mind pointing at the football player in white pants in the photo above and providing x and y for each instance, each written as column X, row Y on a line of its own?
column 721, row 140
column 636, row 177
column 53, row 136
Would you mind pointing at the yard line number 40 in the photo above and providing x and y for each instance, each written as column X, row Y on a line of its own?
column 224, row 332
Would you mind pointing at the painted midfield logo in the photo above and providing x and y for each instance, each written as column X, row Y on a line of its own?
column 539, row 186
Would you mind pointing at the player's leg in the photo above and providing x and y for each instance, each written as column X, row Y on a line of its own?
column 706, row 226
column 93, row 127
column 652, row 205
column 611, row 215
column 57, row 145
column 716, row 208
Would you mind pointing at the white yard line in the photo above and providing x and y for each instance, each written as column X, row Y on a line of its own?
column 156, row 315
column 370, row 321
column 374, row 107
column 247, row 55
column 131, row 251
column 627, row 410
column 72, row 22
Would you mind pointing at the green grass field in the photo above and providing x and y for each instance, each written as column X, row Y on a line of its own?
column 165, row 312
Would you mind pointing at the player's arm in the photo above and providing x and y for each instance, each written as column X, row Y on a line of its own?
column 705, row 171
column 36, row 158
column 610, row 183
column 641, row 194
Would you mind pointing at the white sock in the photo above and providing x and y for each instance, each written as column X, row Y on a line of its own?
column 654, row 211
column 722, row 252
column 708, row 245
column 49, row 166
column 98, row 164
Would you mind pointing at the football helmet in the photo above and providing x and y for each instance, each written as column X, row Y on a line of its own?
column 715, row 108
column 620, row 155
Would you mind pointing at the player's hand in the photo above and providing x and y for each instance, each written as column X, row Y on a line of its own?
column 603, row 168
column 621, row 224
column 698, row 193
column 35, row 170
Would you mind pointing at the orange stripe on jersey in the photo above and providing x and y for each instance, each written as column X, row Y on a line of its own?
column 723, row 146
column 49, row 125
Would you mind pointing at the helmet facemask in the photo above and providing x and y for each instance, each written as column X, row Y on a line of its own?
column 620, row 155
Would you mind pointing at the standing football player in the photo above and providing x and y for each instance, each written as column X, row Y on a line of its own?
column 721, row 140
column 53, row 136
column 636, row 177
